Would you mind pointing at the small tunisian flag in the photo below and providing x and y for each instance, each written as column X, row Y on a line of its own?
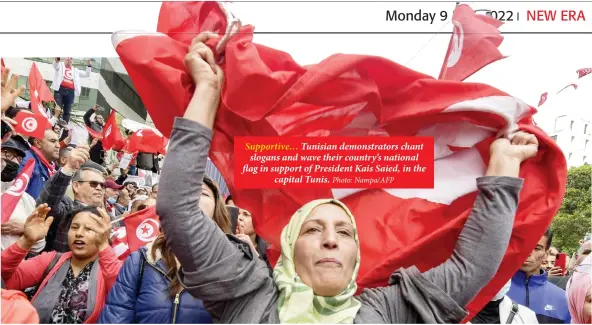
column 140, row 228
column 473, row 45
column 12, row 195
column 584, row 72
column 111, row 134
column 353, row 95
column 148, row 141
column 543, row 98
column 31, row 124
column 39, row 91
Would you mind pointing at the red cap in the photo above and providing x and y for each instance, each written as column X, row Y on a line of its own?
column 112, row 185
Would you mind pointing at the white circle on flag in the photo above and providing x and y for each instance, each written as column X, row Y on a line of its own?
column 147, row 230
column 458, row 36
column 19, row 186
column 29, row 124
column 108, row 131
column 68, row 74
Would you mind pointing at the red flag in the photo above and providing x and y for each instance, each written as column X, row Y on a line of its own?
column 356, row 95
column 12, row 195
column 94, row 134
column 2, row 63
column 584, row 72
column 543, row 98
column 119, row 243
column 39, row 92
column 146, row 140
column 31, row 124
column 570, row 85
column 111, row 134
column 141, row 227
column 473, row 45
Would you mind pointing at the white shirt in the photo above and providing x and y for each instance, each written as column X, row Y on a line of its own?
column 25, row 206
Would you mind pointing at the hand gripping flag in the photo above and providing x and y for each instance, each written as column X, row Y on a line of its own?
column 473, row 45
column 39, row 92
column 12, row 195
column 266, row 93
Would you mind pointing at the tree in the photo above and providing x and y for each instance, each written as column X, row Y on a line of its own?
column 573, row 221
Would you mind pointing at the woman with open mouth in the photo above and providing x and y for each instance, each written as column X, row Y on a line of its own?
column 72, row 286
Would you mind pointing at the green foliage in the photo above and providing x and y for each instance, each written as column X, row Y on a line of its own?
column 573, row 221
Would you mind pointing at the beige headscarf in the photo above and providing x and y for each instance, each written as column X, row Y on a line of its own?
column 297, row 301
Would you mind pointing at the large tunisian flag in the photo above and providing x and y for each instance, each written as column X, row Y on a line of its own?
column 268, row 94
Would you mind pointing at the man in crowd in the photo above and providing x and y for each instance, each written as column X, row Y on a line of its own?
column 44, row 152
column 111, row 194
column 97, row 124
column 531, row 288
column 245, row 226
column 66, row 84
column 64, row 154
column 549, row 262
column 88, row 186
column 122, row 203
column 131, row 187
column 583, row 252
column 12, row 230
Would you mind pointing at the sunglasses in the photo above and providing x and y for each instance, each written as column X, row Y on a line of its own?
column 94, row 184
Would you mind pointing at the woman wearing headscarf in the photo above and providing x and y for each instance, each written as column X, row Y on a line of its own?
column 314, row 280
column 148, row 289
column 579, row 294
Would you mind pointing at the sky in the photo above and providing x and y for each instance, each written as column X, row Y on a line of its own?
column 536, row 63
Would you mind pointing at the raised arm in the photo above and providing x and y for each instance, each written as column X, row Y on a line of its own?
column 17, row 272
column 86, row 73
column 484, row 239
column 55, row 188
column 194, row 238
column 214, row 267
column 88, row 114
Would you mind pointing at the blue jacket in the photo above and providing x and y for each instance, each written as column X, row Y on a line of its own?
column 39, row 177
column 548, row 301
column 153, row 304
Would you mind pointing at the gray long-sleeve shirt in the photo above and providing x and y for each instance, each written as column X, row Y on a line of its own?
column 236, row 287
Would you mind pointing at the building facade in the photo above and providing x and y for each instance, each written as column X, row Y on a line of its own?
column 572, row 134
column 109, row 86
column 566, row 117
